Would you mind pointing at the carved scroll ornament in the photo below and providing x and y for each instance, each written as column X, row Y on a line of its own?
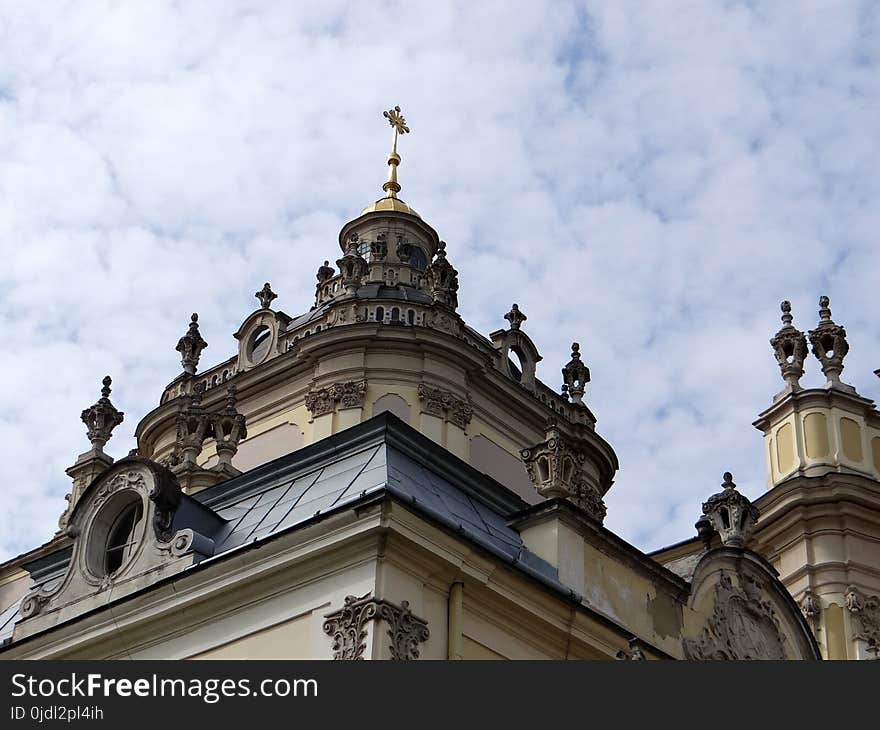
column 348, row 628
column 743, row 625
column 349, row 394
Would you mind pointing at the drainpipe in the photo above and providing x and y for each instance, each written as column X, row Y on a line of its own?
column 453, row 645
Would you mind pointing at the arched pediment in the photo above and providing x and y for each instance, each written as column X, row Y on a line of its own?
column 740, row 610
column 515, row 342
column 259, row 337
column 130, row 527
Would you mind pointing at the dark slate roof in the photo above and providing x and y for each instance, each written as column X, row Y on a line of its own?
column 380, row 455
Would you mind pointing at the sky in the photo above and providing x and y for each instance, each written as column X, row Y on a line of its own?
column 647, row 178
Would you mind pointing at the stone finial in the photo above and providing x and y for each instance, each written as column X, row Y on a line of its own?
column 192, row 428
column 190, row 346
column 515, row 317
column 352, row 266
column 790, row 348
column 443, row 279
column 325, row 272
column 101, row 418
column 575, row 375
column 266, row 295
column 829, row 343
column 556, row 468
column 730, row 513
column 229, row 428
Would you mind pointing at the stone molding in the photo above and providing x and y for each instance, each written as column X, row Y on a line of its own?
column 348, row 394
column 348, row 628
column 446, row 405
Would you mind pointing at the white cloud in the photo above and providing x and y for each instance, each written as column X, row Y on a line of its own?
column 648, row 178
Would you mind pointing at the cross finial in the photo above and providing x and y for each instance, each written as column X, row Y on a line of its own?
column 396, row 120
column 266, row 295
column 515, row 317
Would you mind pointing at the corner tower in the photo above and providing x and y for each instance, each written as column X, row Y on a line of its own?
column 820, row 519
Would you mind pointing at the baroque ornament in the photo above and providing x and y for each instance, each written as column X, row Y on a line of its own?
column 730, row 513
column 556, row 468
column 349, row 394
column 353, row 267
column 444, row 404
column 829, row 343
column 865, row 612
column 266, row 295
column 190, row 346
column 742, row 625
column 443, row 279
column 575, row 375
column 790, row 348
column 101, row 418
column 348, row 628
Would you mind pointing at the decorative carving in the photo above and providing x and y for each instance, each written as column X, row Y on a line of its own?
column 829, row 343
column 515, row 317
column 443, row 322
column 865, row 612
column 349, row 394
column 348, row 628
column 166, row 495
column 325, row 273
column 575, row 375
column 353, row 267
column 190, row 346
column 379, row 248
column 266, row 295
column 635, row 653
column 731, row 514
column 443, row 403
column 742, row 625
column 790, row 348
column 101, row 418
column 193, row 425
column 32, row 604
column 229, row 428
column 811, row 608
column 404, row 250
column 443, row 279
column 556, row 468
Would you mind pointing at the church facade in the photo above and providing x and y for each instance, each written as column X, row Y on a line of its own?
column 373, row 479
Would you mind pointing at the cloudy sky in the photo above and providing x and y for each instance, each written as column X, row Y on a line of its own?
column 648, row 178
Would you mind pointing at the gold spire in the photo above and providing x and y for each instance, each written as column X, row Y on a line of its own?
column 391, row 186
column 396, row 120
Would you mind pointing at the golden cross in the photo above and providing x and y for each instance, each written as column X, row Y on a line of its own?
column 396, row 120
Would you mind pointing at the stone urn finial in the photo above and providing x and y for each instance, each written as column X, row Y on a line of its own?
column 190, row 346
column 101, row 418
column 790, row 348
column 575, row 375
column 730, row 513
column 829, row 344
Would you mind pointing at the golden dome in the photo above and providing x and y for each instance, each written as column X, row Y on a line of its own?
column 389, row 204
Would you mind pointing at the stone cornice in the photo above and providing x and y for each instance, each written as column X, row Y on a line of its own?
column 816, row 398
column 601, row 538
